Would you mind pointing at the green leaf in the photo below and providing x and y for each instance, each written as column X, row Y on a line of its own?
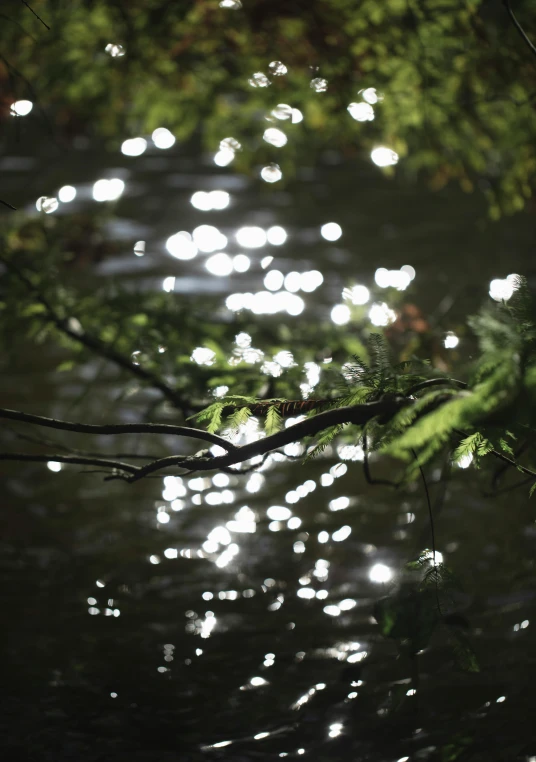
column 65, row 366
column 273, row 420
column 33, row 309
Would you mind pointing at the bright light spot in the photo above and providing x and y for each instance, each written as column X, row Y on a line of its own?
column 66, row 194
column 299, row 547
column 260, row 735
column 294, row 523
column 254, row 483
column 207, row 238
column 271, row 173
column 259, row 79
column 154, row 559
column 21, row 108
column 133, row 146
column 208, row 625
column 339, row 504
column 219, row 264
column 293, row 281
column 162, row 517
column 409, row 270
column 380, row 573
column 342, row 534
column 54, row 466
column 171, row 553
column 93, row 611
column 326, row 480
column 399, row 279
column 256, row 681
column 282, row 111
column 381, row 314
column 384, row 157
column 502, row 290
column 266, row 262
column 465, row 461
column 332, row 610
column 201, row 200
column 277, row 68
column 370, row 95
column 251, row 237
column 319, row 85
column 335, row 729
column 234, row 5
column 221, row 744
column 310, row 281
column 357, row 294
column 346, row 605
column 340, row 314
column 168, row 284
column 322, row 595
column 276, row 235
column 163, row 138
column 115, row 51
column 331, row 231
column 501, row 699
column 350, row 452
column 46, row 204
column 275, row 137
column 273, row 280
column 108, row 190
column 306, row 592
column 278, row 513
column 361, row 112
column 451, row 340
column 220, row 535
column 241, row 263
column 181, row 246
column 203, row 356
column 297, row 116
column 223, row 157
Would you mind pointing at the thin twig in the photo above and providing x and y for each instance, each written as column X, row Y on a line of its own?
column 432, row 530
column 35, row 14
column 76, row 459
column 366, row 468
column 8, row 205
column 501, row 457
column 96, row 344
column 434, row 382
column 518, row 26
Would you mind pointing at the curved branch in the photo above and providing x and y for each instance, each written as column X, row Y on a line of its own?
column 356, row 414
column 117, row 428
column 95, row 344
column 434, row 382
column 518, row 26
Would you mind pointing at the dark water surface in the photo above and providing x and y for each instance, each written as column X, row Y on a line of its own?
column 123, row 638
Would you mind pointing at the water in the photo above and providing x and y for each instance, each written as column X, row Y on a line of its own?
column 139, row 621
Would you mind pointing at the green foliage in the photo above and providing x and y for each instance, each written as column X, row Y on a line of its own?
column 454, row 82
column 273, row 420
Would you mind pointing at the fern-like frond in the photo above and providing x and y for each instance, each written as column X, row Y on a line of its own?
column 240, row 416
column 325, row 438
column 273, row 420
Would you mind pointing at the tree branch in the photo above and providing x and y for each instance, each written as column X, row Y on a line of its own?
column 95, row 344
column 117, row 428
column 518, row 26
column 75, row 459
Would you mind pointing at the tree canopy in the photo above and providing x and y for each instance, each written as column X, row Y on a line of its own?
column 446, row 87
